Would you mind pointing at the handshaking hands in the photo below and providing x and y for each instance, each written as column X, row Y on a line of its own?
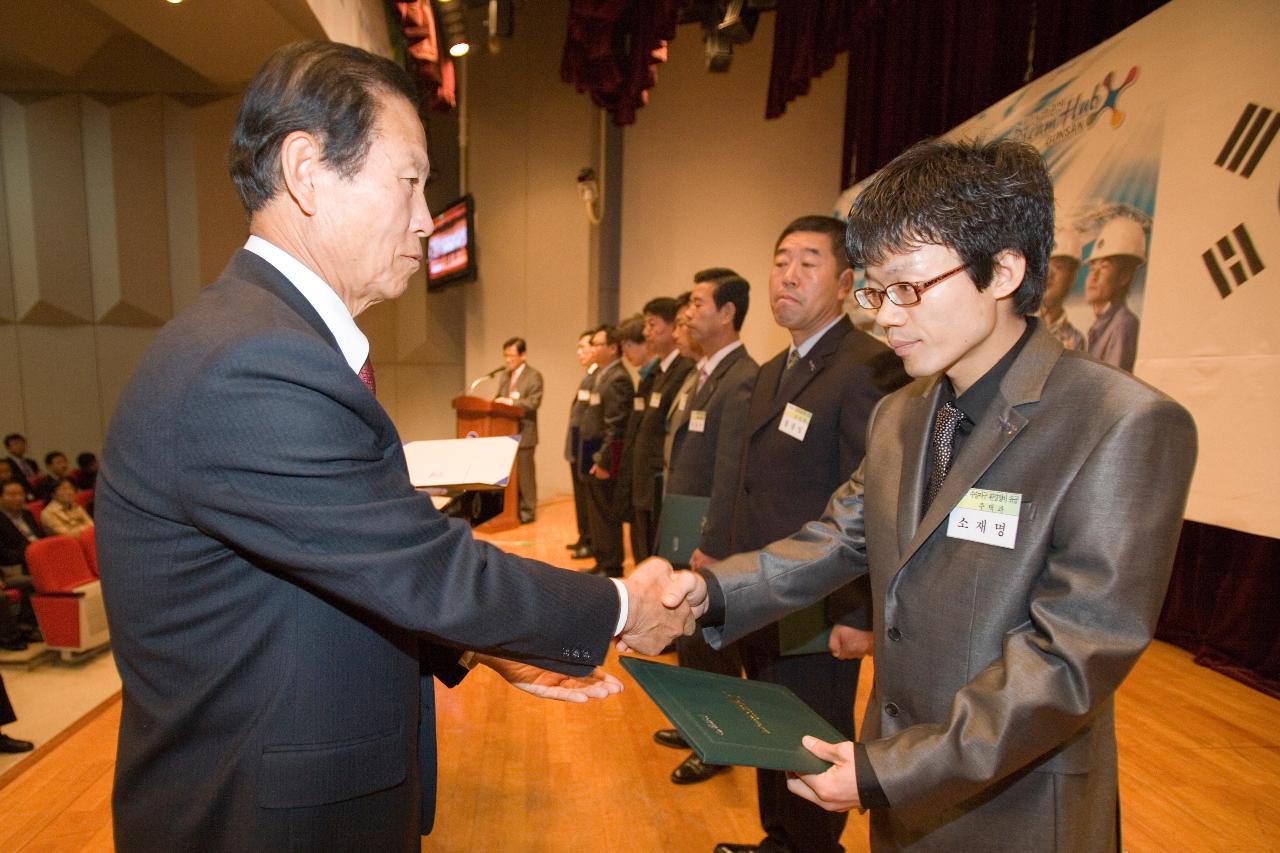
column 662, row 604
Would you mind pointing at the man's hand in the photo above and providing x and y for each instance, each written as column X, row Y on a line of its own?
column 659, row 608
column 552, row 685
column 848, row 643
column 599, row 473
column 835, row 790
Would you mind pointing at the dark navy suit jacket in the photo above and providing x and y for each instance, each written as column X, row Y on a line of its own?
column 279, row 596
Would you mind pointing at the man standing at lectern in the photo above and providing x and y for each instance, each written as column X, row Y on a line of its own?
column 280, row 597
column 520, row 385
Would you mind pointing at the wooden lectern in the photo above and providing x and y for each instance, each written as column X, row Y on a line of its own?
column 478, row 417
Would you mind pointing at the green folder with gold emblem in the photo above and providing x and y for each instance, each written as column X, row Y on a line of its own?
column 734, row 720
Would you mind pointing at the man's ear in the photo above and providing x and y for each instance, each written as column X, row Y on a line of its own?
column 300, row 166
column 1008, row 269
column 845, row 285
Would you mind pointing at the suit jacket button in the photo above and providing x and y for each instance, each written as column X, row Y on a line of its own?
column 891, row 709
column 894, row 634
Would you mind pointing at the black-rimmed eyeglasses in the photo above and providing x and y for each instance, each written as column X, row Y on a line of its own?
column 901, row 292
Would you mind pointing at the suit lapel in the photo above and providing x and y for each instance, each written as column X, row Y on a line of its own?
column 1022, row 385
column 795, row 380
column 914, row 438
column 701, row 397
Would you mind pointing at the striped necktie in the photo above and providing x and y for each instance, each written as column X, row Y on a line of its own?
column 366, row 376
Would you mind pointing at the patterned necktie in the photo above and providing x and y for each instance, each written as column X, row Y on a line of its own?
column 703, row 375
column 366, row 376
column 792, row 358
column 943, row 441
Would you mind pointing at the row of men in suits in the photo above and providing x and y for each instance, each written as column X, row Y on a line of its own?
column 764, row 445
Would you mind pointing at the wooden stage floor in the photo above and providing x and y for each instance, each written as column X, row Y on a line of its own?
column 1199, row 766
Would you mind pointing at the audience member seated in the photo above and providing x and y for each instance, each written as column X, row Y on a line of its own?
column 17, row 530
column 86, row 476
column 63, row 516
column 8, row 475
column 15, row 445
column 56, row 464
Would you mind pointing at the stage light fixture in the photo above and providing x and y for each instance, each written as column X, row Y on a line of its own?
column 454, row 25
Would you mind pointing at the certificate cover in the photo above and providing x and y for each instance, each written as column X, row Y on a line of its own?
column 680, row 528
column 732, row 720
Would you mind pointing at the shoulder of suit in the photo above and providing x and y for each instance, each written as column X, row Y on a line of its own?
column 1099, row 384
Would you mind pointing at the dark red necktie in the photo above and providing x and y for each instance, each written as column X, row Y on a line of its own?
column 366, row 376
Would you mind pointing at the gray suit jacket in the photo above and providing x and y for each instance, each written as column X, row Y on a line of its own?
column 280, row 596
column 991, row 724
column 527, row 397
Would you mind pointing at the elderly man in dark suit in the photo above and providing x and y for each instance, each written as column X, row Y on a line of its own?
column 279, row 595
column 806, row 428
column 520, row 385
column 707, row 431
column 1017, row 510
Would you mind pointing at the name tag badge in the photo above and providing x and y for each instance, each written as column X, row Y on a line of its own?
column 697, row 421
column 515, row 395
column 637, row 403
column 682, row 401
column 987, row 516
column 655, row 399
column 583, row 395
column 595, row 398
column 795, row 421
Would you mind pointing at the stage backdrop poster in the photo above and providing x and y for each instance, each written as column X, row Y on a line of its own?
column 1171, row 127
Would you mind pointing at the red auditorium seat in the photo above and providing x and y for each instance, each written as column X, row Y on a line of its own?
column 35, row 508
column 84, row 497
column 68, row 598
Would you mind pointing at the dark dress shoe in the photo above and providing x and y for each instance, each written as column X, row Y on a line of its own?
column 582, row 552
column 15, row 645
column 671, row 738
column 692, row 770
column 725, row 847
column 10, row 744
column 573, row 546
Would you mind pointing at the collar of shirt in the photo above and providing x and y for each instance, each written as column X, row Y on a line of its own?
column 812, row 341
column 669, row 359
column 333, row 312
column 976, row 399
column 515, row 374
column 713, row 361
column 1109, row 314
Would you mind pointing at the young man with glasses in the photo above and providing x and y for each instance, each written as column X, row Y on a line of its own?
column 1017, row 511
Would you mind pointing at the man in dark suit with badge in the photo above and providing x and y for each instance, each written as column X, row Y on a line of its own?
column 600, row 450
column 806, row 426
column 660, row 388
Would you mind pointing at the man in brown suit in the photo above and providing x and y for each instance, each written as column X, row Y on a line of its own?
column 1017, row 511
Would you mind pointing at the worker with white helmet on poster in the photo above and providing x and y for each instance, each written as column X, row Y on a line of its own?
column 1117, row 253
column 1064, row 264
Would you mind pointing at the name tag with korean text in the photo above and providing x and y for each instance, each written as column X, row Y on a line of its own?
column 583, row 395
column 697, row 421
column 655, row 399
column 795, row 421
column 637, row 403
column 987, row 516
column 595, row 398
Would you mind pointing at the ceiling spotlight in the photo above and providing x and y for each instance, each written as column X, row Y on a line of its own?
column 454, row 26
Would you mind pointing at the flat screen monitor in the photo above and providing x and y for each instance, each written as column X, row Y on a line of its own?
column 451, row 248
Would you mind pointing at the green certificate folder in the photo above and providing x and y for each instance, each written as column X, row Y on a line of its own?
column 732, row 720
column 680, row 527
